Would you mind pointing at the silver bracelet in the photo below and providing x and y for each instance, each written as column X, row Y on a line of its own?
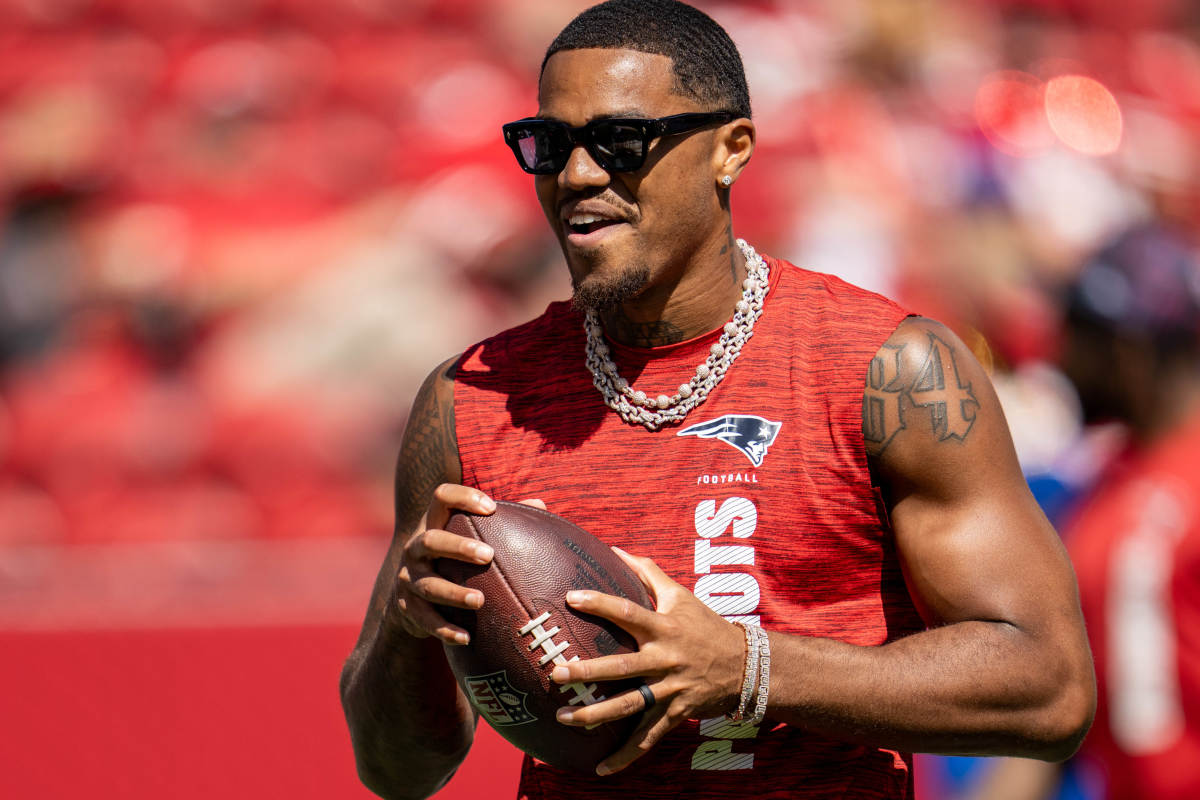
column 748, row 674
column 764, row 676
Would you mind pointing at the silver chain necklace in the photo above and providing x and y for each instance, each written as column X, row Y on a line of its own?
column 635, row 406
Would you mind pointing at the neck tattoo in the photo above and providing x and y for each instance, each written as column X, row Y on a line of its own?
column 634, row 406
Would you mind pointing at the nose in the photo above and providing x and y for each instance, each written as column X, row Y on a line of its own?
column 582, row 171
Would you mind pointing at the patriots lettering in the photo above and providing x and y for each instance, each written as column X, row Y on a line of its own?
column 718, row 754
column 733, row 595
column 729, row 595
column 739, row 512
column 707, row 555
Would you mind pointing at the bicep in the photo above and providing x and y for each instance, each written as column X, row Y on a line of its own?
column 973, row 542
column 428, row 458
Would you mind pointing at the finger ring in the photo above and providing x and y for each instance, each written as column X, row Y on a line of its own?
column 648, row 696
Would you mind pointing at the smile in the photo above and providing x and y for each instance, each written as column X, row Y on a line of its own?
column 589, row 223
column 587, row 227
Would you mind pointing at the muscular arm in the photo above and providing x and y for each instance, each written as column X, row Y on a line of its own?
column 409, row 723
column 1004, row 667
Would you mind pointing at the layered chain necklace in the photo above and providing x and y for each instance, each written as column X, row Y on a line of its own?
column 636, row 407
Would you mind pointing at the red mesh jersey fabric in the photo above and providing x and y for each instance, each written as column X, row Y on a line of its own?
column 760, row 502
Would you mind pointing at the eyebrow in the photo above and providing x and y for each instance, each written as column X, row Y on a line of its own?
column 635, row 113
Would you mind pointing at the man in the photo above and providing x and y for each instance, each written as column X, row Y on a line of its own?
column 847, row 485
column 1133, row 352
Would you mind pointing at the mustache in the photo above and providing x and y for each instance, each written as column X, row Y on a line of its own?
column 604, row 195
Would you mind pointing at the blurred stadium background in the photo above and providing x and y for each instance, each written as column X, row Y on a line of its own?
column 236, row 234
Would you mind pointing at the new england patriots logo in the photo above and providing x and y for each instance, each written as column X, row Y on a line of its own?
column 748, row 433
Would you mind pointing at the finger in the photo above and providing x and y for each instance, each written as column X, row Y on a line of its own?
column 626, row 704
column 435, row 543
column 448, row 497
column 420, row 615
column 641, row 622
column 535, row 502
column 436, row 589
column 649, row 733
column 604, row 668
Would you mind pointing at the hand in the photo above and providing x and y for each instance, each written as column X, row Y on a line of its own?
column 418, row 587
column 695, row 656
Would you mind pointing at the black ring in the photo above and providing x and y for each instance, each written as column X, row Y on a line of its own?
column 648, row 696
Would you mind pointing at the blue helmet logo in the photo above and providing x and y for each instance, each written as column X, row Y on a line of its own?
column 748, row 433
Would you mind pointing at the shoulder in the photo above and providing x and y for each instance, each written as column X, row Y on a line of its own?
column 833, row 293
column 835, row 328
column 513, row 348
column 925, row 391
column 429, row 448
column 838, row 321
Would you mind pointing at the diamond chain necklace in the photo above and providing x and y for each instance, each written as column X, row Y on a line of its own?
column 634, row 406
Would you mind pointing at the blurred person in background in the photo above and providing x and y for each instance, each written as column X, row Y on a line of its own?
column 1132, row 350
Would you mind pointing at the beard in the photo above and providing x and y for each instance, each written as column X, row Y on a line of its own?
column 601, row 292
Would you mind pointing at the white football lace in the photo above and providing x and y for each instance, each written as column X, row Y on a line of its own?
column 584, row 693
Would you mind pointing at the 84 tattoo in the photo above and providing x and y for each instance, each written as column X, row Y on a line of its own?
column 937, row 388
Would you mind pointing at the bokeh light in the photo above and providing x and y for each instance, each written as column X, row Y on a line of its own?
column 1084, row 115
column 1009, row 109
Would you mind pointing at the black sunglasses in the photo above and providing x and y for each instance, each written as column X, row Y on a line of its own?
column 617, row 144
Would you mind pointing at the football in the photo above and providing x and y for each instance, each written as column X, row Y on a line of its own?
column 525, row 628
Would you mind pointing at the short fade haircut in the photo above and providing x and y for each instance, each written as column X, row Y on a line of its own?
column 708, row 67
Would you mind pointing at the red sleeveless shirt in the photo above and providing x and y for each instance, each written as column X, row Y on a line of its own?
column 760, row 501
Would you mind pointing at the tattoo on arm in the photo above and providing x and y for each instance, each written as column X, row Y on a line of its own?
column 429, row 453
column 428, row 457
column 936, row 387
column 939, row 388
column 882, row 415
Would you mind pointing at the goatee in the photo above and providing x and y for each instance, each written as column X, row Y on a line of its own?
column 600, row 294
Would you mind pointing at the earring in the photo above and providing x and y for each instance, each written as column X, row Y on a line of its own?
column 727, row 180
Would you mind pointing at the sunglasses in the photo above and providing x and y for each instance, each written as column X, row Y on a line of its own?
column 618, row 144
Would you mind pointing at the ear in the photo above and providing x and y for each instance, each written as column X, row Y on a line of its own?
column 734, row 146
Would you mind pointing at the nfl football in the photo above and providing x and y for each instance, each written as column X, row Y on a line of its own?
column 525, row 628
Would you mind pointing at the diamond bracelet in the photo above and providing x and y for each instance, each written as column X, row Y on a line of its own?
column 764, row 675
column 748, row 674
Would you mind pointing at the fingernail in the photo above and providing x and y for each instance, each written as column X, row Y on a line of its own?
column 483, row 551
column 575, row 597
column 559, row 673
column 487, row 503
column 462, row 638
column 475, row 600
column 565, row 715
column 603, row 770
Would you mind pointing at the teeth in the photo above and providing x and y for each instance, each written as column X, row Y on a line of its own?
column 583, row 219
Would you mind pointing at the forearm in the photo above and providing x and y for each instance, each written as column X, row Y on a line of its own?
column 982, row 688
column 409, row 724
